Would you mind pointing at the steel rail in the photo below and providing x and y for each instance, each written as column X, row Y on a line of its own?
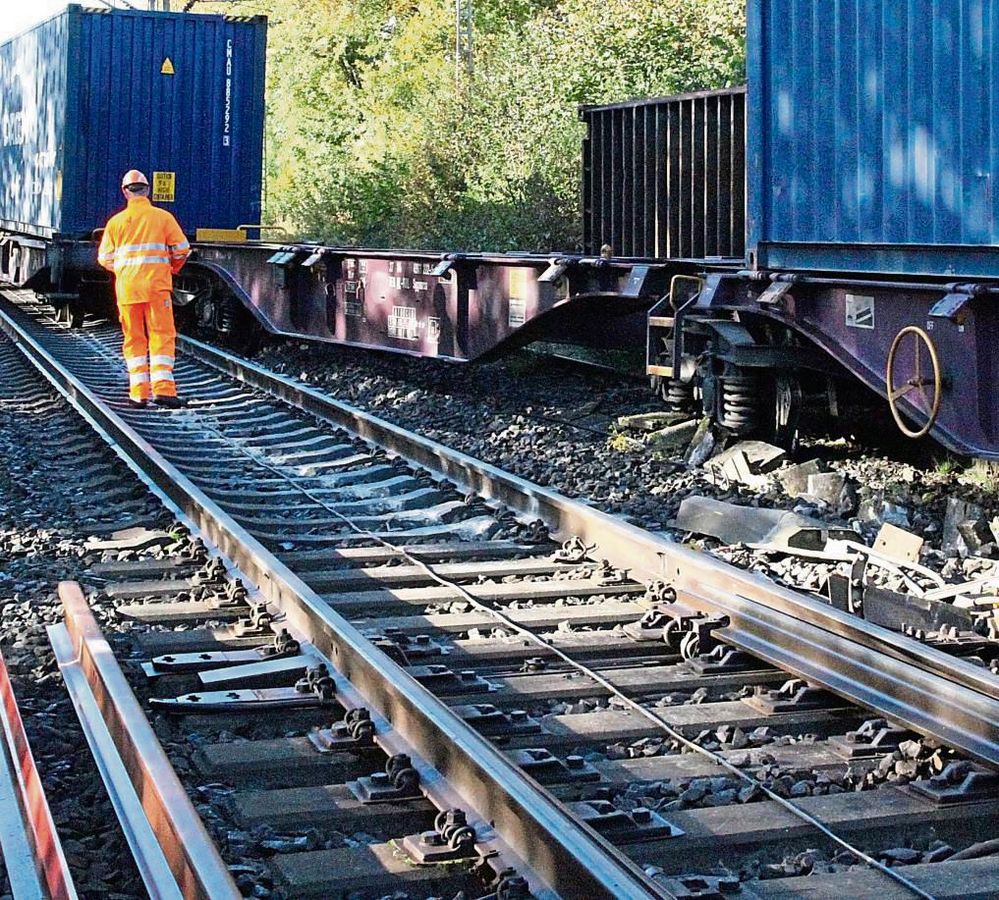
column 173, row 851
column 35, row 864
column 904, row 680
column 564, row 856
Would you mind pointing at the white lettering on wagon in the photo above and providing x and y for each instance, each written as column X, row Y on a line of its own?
column 11, row 129
column 402, row 324
column 517, row 315
column 227, row 116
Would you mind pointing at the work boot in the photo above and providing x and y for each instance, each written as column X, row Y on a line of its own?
column 138, row 404
column 170, row 402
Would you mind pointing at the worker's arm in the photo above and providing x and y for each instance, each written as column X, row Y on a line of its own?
column 105, row 253
column 178, row 245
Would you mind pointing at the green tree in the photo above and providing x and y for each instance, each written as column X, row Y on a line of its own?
column 371, row 138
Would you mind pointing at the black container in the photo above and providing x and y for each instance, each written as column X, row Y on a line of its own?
column 665, row 178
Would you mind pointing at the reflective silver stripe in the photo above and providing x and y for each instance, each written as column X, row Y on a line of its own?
column 106, row 257
column 138, row 377
column 135, row 248
column 161, row 360
column 133, row 362
column 162, row 376
column 140, row 261
column 183, row 245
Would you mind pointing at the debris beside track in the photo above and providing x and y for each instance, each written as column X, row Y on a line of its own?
column 603, row 440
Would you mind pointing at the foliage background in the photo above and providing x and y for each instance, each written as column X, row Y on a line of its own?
column 372, row 138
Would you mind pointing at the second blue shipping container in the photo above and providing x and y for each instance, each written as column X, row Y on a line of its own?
column 873, row 140
column 90, row 94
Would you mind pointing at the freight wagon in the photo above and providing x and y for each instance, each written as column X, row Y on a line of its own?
column 871, row 224
column 89, row 94
column 94, row 93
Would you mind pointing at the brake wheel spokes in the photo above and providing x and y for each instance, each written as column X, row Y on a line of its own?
column 929, row 403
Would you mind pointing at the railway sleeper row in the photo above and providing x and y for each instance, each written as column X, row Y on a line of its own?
column 621, row 773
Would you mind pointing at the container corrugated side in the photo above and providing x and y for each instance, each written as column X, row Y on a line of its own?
column 665, row 177
column 874, row 135
column 91, row 94
column 177, row 94
column 32, row 115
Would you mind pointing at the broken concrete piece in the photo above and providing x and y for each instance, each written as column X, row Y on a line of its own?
column 735, row 469
column 650, row 421
column 898, row 544
column 832, row 489
column 774, row 528
column 794, row 479
column 976, row 535
column 760, row 456
column 672, row 438
column 745, row 463
column 874, row 508
column 965, row 528
column 827, row 487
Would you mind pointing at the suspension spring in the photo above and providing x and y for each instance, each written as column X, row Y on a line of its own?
column 227, row 312
column 740, row 403
column 679, row 396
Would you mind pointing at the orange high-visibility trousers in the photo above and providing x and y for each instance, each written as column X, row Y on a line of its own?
column 149, row 358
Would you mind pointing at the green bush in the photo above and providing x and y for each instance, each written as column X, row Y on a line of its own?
column 373, row 140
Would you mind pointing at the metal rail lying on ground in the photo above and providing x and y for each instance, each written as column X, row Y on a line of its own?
column 173, row 852
column 32, row 853
column 565, row 857
column 904, row 680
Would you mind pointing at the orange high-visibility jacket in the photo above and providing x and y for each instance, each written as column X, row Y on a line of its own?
column 144, row 247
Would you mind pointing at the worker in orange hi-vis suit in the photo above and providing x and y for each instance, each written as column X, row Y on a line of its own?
column 144, row 247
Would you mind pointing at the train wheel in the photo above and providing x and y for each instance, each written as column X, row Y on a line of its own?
column 914, row 366
column 220, row 318
column 787, row 410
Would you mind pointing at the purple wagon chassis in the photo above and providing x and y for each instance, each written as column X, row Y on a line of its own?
column 466, row 307
column 456, row 307
column 953, row 365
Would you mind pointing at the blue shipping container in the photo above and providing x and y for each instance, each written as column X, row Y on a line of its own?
column 873, row 141
column 90, row 94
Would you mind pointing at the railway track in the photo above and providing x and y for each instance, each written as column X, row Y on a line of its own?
column 511, row 675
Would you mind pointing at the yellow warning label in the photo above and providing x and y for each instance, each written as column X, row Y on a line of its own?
column 164, row 186
column 518, row 280
column 167, row 67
